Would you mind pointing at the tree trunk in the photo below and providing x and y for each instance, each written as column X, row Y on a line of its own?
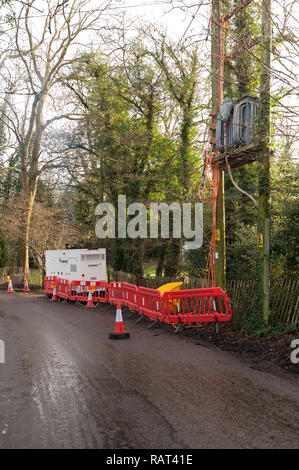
column 263, row 243
column 173, row 263
column 161, row 262
column 136, row 258
column 25, row 228
column 217, row 65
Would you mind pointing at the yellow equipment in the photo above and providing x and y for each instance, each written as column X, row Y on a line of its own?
column 171, row 286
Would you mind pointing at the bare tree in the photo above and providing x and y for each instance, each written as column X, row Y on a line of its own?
column 43, row 51
column 49, row 221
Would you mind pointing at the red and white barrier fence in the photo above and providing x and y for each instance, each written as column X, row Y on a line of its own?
column 183, row 306
column 196, row 306
column 191, row 307
column 150, row 303
column 101, row 292
column 63, row 287
column 130, row 297
column 49, row 284
column 79, row 291
column 116, row 293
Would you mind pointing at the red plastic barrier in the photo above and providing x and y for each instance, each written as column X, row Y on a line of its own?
column 196, row 306
column 116, row 293
column 49, row 283
column 100, row 293
column 130, row 296
column 63, row 286
column 150, row 303
column 79, row 291
column 173, row 307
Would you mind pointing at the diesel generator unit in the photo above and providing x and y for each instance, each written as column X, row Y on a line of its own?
column 77, row 264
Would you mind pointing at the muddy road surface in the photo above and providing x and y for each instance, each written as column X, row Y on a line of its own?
column 65, row 384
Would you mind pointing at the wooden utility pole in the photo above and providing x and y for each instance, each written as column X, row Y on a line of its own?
column 263, row 242
column 218, row 37
column 217, row 90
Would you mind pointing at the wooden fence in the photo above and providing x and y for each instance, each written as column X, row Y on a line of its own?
column 284, row 303
column 284, row 300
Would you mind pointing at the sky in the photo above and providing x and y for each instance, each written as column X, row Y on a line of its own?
column 179, row 23
column 175, row 19
column 163, row 12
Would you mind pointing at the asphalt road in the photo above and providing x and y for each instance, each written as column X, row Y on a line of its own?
column 65, row 384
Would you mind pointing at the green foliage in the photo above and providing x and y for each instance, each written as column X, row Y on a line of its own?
column 10, row 181
column 241, row 75
column 264, row 329
column 241, row 252
column 285, row 220
column 130, row 108
column 173, row 260
column 241, row 224
column 195, row 261
column 4, row 253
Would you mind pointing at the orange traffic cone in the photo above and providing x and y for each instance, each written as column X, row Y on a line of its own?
column 119, row 331
column 89, row 300
column 26, row 287
column 54, row 295
column 9, row 288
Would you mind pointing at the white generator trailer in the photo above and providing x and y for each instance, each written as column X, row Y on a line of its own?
column 77, row 264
